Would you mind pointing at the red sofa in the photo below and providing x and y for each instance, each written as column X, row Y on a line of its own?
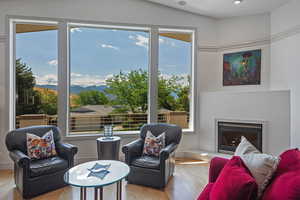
column 285, row 184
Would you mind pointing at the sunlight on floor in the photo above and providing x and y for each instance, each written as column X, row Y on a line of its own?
column 184, row 161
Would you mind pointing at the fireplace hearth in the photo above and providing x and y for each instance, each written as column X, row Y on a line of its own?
column 230, row 133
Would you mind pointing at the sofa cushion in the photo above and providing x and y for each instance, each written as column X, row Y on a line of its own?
column 289, row 161
column 234, row 182
column 205, row 193
column 286, row 186
column 151, row 162
column 262, row 166
column 47, row 166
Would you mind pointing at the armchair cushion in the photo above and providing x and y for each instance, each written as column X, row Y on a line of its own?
column 41, row 147
column 151, row 162
column 153, row 145
column 16, row 139
column 47, row 166
column 172, row 131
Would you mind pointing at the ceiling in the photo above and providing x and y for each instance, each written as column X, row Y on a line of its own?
column 224, row 8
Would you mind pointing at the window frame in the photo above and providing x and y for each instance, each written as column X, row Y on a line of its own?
column 63, row 68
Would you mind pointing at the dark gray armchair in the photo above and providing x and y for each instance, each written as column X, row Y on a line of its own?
column 148, row 170
column 34, row 177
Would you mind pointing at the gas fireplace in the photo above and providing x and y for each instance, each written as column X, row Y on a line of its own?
column 230, row 133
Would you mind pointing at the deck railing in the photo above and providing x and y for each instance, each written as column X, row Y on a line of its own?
column 79, row 123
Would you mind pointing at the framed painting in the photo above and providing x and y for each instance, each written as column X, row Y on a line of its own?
column 242, row 68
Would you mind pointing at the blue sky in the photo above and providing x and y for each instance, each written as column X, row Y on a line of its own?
column 97, row 54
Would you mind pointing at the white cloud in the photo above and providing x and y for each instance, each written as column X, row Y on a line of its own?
column 140, row 40
column 74, row 30
column 161, row 40
column 76, row 75
column 88, row 80
column 48, row 79
column 143, row 41
column 109, row 46
column 76, row 79
column 53, row 63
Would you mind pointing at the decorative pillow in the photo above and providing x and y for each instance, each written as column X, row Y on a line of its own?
column 153, row 145
column 261, row 166
column 285, row 186
column 286, row 183
column 235, row 182
column 40, row 147
column 289, row 161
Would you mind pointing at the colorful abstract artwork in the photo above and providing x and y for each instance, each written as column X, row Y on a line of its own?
column 242, row 68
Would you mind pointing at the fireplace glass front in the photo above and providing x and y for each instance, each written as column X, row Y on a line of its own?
column 230, row 133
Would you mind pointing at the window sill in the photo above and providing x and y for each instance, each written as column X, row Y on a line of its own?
column 86, row 136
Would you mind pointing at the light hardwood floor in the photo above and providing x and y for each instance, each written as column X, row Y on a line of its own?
column 189, row 179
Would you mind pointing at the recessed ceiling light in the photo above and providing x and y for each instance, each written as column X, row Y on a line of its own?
column 182, row 3
column 236, row 2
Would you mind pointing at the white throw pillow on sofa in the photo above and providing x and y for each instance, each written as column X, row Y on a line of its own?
column 262, row 166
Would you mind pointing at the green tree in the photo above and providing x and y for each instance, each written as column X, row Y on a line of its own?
column 28, row 100
column 183, row 98
column 168, row 89
column 91, row 97
column 49, row 101
column 129, row 90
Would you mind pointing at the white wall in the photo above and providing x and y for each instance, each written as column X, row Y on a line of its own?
column 273, row 107
column 256, row 102
column 243, row 29
column 126, row 11
column 239, row 34
column 285, row 62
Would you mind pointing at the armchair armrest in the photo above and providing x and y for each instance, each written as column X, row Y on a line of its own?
column 66, row 151
column 165, row 152
column 216, row 166
column 20, row 158
column 133, row 149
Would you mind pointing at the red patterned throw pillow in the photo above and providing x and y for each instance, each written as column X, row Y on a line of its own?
column 40, row 147
column 153, row 145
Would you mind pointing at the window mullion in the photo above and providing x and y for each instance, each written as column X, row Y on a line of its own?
column 63, row 78
column 153, row 76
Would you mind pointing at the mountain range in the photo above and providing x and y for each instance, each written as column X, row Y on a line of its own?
column 76, row 89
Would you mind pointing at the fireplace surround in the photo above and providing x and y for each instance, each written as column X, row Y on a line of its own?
column 229, row 135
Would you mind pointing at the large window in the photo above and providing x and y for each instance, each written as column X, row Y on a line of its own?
column 35, row 75
column 109, row 79
column 82, row 77
column 174, row 76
